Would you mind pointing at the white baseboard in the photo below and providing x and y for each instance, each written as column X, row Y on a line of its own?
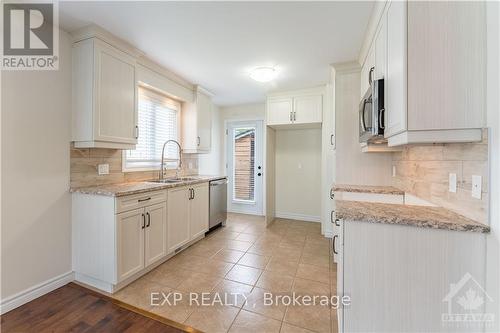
column 25, row 296
column 300, row 217
column 236, row 211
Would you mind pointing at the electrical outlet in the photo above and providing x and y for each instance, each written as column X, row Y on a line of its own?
column 452, row 183
column 476, row 186
column 103, row 169
column 394, row 171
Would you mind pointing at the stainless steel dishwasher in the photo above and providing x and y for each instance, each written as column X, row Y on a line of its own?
column 218, row 202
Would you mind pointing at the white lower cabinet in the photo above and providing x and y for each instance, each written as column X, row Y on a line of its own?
column 399, row 277
column 117, row 240
column 198, row 211
column 141, row 237
column 190, row 205
column 178, row 218
column 130, row 243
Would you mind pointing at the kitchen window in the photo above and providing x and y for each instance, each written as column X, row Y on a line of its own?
column 158, row 122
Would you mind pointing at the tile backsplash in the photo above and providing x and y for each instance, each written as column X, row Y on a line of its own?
column 84, row 167
column 423, row 170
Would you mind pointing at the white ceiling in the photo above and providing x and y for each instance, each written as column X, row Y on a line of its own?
column 215, row 44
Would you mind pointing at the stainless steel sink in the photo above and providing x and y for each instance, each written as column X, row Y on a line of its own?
column 173, row 180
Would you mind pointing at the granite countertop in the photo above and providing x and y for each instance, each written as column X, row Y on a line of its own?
column 367, row 189
column 118, row 190
column 419, row 216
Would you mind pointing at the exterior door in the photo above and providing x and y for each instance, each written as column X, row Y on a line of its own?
column 156, row 233
column 130, row 242
column 245, row 167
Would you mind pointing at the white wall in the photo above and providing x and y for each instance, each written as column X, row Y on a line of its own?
column 36, row 204
column 298, row 174
column 352, row 166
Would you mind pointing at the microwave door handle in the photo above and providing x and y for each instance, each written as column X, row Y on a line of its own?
column 363, row 125
column 381, row 116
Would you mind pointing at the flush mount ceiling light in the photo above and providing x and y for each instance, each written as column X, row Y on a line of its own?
column 263, row 74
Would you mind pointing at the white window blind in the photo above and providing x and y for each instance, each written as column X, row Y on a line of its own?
column 158, row 122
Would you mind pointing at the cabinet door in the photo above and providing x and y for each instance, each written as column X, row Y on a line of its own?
column 381, row 49
column 178, row 218
column 446, row 64
column 204, row 122
column 115, row 109
column 130, row 243
column 279, row 111
column 198, row 217
column 308, row 109
column 156, row 233
column 395, row 92
column 366, row 69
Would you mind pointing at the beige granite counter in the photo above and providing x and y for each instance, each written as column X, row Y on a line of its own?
column 367, row 189
column 118, row 190
column 418, row 216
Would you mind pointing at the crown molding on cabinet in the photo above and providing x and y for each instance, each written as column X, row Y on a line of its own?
column 94, row 31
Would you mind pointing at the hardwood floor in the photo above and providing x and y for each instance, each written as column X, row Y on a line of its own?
column 72, row 308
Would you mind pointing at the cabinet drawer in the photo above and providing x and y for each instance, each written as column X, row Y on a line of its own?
column 135, row 201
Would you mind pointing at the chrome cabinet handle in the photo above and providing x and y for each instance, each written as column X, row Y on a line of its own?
column 136, row 132
column 370, row 75
column 334, row 247
column 143, row 221
column 332, row 219
column 331, row 140
column 149, row 220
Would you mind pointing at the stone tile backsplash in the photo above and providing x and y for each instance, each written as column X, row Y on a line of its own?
column 84, row 167
column 423, row 170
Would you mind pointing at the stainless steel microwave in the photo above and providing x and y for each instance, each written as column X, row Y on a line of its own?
column 371, row 113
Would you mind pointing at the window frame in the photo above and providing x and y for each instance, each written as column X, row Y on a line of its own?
column 170, row 102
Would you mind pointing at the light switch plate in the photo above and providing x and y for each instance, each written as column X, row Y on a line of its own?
column 452, row 183
column 103, row 169
column 476, row 186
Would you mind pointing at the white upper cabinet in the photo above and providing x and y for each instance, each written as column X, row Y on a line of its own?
column 395, row 82
column 381, row 49
column 197, row 123
column 446, row 65
column 104, row 96
column 436, row 72
column 295, row 108
column 367, row 71
column 279, row 111
column 308, row 109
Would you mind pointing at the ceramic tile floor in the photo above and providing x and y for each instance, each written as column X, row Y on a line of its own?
column 247, row 259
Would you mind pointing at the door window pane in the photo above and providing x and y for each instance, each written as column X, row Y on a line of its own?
column 244, row 164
